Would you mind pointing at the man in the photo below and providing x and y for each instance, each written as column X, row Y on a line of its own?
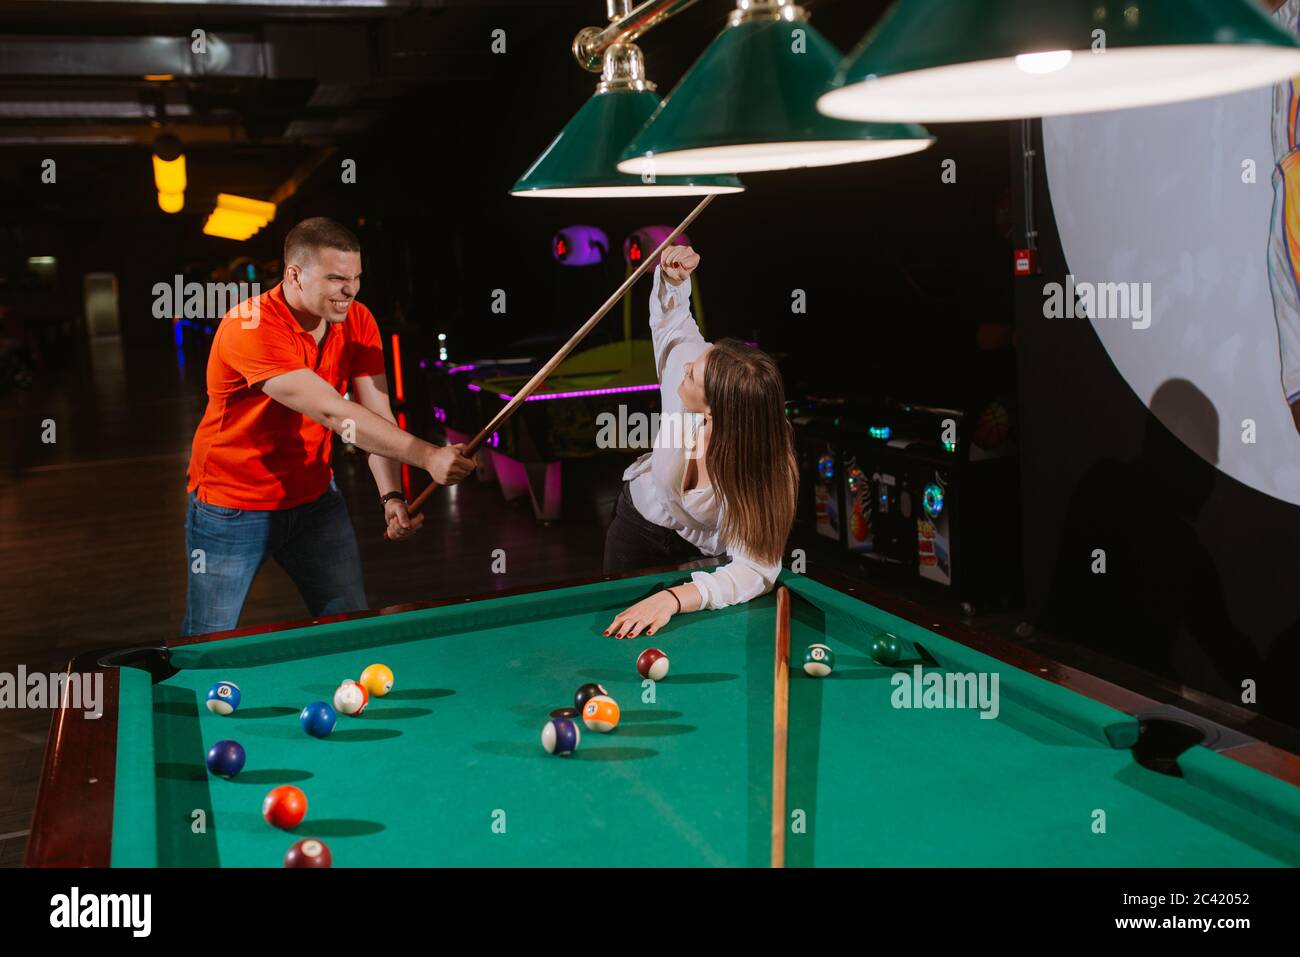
column 260, row 481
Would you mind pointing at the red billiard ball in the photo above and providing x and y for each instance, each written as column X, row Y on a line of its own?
column 308, row 852
column 653, row 664
column 284, row 806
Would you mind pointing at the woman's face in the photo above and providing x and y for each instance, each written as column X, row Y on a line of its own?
column 691, row 391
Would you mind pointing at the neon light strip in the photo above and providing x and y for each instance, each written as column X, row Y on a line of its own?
column 454, row 369
column 397, row 368
column 573, row 395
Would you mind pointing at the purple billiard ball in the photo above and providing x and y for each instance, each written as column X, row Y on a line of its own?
column 226, row 758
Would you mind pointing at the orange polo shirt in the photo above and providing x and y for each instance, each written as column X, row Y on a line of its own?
column 251, row 452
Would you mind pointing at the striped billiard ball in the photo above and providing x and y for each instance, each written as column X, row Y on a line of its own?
column 560, row 736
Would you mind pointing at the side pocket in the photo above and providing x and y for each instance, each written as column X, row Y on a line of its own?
column 217, row 511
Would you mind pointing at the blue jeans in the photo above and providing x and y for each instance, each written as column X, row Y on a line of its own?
column 225, row 547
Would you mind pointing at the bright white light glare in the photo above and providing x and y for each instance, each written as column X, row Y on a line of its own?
column 757, row 157
column 1040, row 63
column 442, row 337
column 623, row 192
column 1120, row 78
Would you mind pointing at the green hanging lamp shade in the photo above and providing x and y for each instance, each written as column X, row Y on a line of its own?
column 582, row 161
column 932, row 61
column 748, row 104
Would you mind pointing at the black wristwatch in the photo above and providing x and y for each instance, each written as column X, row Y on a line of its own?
column 384, row 500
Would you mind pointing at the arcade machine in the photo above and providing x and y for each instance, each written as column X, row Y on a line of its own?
column 917, row 492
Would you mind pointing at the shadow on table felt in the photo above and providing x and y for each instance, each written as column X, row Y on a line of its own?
column 264, row 776
column 181, row 785
column 177, row 709
column 418, row 694
column 244, row 714
column 534, row 751
column 654, row 730
column 636, row 717
column 382, row 712
column 178, row 771
column 848, row 674
column 338, row 827
column 348, row 735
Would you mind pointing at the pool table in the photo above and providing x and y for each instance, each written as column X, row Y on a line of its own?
column 448, row 769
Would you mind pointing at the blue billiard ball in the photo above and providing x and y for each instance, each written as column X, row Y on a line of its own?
column 226, row 758
column 223, row 697
column 560, row 736
column 318, row 719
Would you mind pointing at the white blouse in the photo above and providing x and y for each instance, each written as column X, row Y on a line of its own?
column 656, row 477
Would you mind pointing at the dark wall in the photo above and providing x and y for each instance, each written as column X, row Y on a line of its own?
column 1200, row 583
column 901, row 270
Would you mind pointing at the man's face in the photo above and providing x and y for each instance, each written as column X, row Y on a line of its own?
column 329, row 282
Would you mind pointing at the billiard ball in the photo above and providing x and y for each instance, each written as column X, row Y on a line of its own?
column 223, row 697
column 600, row 713
column 818, row 661
column 318, row 719
column 308, row 852
column 560, row 736
column 378, row 680
column 226, row 758
column 886, row 649
column 569, row 713
column 284, row 807
column 587, row 691
column 653, row 664
column 350, row 698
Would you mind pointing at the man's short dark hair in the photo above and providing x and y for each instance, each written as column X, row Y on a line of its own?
column 317, row 233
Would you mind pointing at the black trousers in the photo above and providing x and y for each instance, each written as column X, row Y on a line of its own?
column 632, row 542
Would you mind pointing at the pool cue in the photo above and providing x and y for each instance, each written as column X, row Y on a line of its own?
column 780, row 724
column 541, row 374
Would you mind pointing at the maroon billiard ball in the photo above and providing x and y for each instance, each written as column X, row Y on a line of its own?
column 308, row 852
column 652, row 664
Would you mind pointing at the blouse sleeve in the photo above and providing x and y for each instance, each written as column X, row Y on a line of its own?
column 673, row 330
column 737, row 582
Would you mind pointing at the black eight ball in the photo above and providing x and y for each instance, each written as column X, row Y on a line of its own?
column 586, row 692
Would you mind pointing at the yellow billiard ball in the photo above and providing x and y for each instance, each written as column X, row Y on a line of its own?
column 378, row 680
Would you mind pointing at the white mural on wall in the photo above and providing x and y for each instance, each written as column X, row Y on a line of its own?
column 1183, row 197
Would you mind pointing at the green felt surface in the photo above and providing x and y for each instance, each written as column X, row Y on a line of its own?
column 885, row 786
column 422, row 777
column 449, row 770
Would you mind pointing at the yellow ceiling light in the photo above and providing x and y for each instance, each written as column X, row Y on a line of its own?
column 169, row 177
column 168, row 164
column 231, row 225
column 171, row 202
column 238, row 217
column 242, row 204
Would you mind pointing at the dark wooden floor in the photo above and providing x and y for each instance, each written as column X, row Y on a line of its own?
column 92, row 536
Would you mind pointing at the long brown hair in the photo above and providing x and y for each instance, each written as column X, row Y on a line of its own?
column 750, row 457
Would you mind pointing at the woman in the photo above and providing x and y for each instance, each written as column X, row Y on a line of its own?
column 722, row 476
